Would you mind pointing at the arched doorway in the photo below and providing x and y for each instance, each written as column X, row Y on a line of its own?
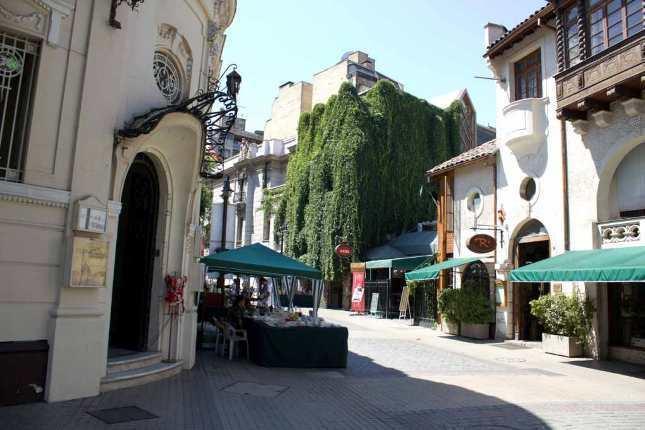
column 475, row 277
column 135, row 253
column 532, row 244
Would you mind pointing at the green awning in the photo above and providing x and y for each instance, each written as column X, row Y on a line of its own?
column 258, row 260
column 405, row 263
column 596, row 265
column 432, row 272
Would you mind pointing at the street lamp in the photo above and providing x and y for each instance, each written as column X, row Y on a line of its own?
column 226, row 191
column 283, row 231
column 233, row 81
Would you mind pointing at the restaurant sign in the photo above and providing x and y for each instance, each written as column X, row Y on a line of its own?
column 481, row 243
column 344, row 250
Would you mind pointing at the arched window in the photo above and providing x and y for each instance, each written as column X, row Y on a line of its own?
column 475, row 276
column 628, row 185
column 168, row 76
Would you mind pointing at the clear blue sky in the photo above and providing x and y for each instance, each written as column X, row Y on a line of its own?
column 431, row 46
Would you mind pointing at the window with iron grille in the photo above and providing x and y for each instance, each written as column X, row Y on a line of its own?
column 18, row 62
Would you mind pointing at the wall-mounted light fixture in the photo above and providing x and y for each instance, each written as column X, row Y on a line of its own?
column 133, row 4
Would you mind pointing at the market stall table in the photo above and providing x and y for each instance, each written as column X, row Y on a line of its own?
column 274, row 342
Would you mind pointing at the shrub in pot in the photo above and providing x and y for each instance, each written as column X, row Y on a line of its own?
column 566, row 321
column 475, row 313
column 447, row 304
column 466, row 312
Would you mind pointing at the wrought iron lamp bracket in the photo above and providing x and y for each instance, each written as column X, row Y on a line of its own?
column 215, row 108
column 133, row 4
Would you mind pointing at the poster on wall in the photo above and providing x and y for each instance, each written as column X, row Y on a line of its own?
column 89, row 262
column 358, row 292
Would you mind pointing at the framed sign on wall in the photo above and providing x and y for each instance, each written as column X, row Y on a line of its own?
column 89, row 262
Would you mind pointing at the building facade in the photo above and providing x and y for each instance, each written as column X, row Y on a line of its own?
column 567, row 170
column 100, row 160
column 260, row 169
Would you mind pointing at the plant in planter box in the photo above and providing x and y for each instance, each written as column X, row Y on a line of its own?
column 566, row 321
column 475, row 313
column 468, row 309
column 448, row 305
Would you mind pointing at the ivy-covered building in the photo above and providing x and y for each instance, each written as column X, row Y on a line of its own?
column 356, row 161
column 257, row 171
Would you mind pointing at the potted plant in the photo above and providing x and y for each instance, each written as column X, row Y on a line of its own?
column 566, row 321
column 447, row 303
column 475, row 313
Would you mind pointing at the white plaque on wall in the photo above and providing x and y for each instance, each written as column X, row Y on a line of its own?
column 91, row 216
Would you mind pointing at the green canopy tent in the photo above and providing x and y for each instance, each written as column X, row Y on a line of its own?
column 596, row 265
column 432, row 271
column 259, row 260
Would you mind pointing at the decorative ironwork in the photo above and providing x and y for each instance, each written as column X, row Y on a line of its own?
column 133, row 4
column 168, row 77
column 11, row 63
column 216, row 123
column 18, row 60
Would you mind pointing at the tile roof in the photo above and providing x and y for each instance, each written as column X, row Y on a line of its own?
column 479, row 152
column 518, row 32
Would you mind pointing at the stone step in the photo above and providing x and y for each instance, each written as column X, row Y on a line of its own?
column 133, row 361
column 140, row 376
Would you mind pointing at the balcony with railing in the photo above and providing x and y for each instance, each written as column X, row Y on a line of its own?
column 624, row 232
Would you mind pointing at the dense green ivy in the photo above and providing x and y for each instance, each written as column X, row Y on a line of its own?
column 358, row 172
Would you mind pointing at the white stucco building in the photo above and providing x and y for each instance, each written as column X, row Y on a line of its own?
column 96, row 207
column 567, row 170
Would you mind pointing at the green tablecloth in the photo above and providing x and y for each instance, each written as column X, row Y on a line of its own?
column 296, row 346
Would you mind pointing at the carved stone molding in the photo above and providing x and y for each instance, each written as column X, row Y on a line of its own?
column 34, row 21
column 633, row 107
column 602, row 118
column 39, row 17
column 580, row 126
column 170, row 39
column 32, row 18
column 33, row 195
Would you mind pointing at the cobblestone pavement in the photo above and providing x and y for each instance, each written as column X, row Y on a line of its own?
column 398, row 377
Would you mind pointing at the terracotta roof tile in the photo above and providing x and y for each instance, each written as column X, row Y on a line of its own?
column 519, row 28
column 479, row 152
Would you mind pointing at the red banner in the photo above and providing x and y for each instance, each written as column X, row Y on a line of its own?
column 358, row 292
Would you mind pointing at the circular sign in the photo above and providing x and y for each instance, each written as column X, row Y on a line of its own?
column 344, row 250
column 481, row 243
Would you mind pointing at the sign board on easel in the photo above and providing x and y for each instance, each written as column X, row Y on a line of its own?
column 374, row 304
column 404, row 306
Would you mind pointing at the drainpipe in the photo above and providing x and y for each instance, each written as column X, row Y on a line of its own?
column 565, row 182
column 493, row 330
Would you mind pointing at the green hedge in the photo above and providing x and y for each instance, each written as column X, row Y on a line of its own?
column 465, row 305
column 359, row 170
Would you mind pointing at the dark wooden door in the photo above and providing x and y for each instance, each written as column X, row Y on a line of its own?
column 135, row 253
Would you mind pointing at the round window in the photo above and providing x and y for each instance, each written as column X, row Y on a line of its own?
column 528, row 189
column 168, row 77
column 474, row 202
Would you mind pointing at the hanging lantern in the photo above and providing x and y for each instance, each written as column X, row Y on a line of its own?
column 233, row 81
